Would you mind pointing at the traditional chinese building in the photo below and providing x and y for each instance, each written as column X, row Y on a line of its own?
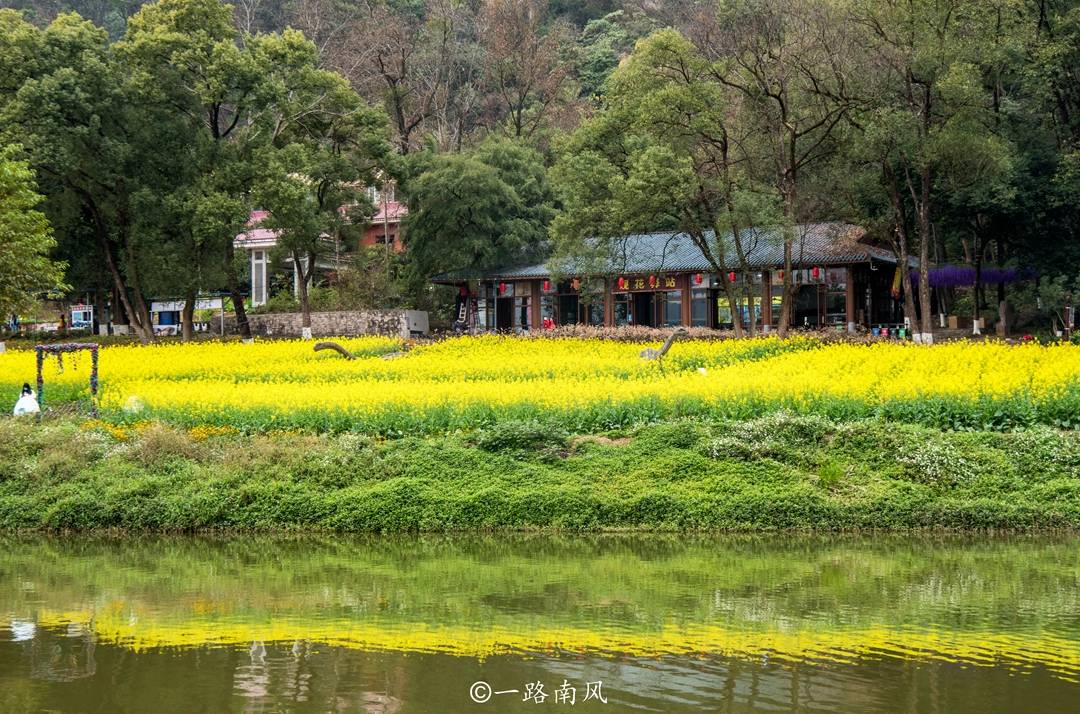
column 664, row 279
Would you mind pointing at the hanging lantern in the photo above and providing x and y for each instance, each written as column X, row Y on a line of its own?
column 815, row 272
column 781, row 274
column 575, row 284
column 731, row 276
column 698, row 278
column 547, row 286
column 652, row 281
column 621, row 282
column 502, row 288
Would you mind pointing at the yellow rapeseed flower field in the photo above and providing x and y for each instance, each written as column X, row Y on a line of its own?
column 583, row 383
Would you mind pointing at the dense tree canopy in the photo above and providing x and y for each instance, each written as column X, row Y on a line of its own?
column 478, row 210
column 26, row 239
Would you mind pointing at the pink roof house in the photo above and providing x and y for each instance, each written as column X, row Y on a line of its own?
column 384, row 228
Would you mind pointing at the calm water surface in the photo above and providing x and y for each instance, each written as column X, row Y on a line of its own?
column 413, row 624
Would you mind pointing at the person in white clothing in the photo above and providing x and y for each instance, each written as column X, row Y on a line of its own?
column 27, row 403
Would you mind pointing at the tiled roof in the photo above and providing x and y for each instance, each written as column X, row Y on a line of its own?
column 267, row 237
column 394, row 213
column 815, row 244
column 255, row 236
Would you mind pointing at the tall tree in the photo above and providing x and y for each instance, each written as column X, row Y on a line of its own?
column 313, row 176
column 528, row 68
column 73, row 113
column 479, row 210
column 423, row 68
column 670, row 147
column 788, row 60
column 933, row 140
column 26, row 240
column 186, row 55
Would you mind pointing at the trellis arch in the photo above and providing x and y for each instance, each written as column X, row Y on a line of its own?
column 60, row 350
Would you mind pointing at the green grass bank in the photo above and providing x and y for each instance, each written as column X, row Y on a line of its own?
column 776, row 472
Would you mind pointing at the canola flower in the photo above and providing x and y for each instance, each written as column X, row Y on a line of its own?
column 469, row 382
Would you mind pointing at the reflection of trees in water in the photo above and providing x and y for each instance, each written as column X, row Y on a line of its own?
column 265, row 676
column 64, row 655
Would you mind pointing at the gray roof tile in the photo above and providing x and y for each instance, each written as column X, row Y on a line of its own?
column 815, row 244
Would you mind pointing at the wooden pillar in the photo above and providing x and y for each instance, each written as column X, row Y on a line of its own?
column 684, row 285
column 609, row 302
column 766, row 300
column 849, row 298
column 534, row 305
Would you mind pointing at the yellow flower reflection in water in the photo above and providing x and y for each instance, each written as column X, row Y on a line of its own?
column 1060, row 656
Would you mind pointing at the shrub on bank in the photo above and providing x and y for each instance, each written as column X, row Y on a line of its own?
column 794, row 472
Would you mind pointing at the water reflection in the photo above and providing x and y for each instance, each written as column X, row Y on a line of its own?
column 668, row 624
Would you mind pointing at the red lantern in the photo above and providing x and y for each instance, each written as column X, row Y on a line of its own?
column 698, row 278
column 622, row 283
column 731, row 276
column 575, row 284
column 781, row 274
column 547, row 286
column 502, row 288
column 815, row 272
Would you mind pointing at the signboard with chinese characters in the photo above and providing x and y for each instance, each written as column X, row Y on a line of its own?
column 650, row 282
column 178, row 305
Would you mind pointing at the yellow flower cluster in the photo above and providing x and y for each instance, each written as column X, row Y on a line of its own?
column 203, row 432
column 463, row 381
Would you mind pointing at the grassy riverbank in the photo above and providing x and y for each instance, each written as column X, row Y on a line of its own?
column 773, row 472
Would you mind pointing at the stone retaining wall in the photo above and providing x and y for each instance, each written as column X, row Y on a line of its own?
column 388, row 323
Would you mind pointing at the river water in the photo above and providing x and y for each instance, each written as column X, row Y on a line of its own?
column 540, row 623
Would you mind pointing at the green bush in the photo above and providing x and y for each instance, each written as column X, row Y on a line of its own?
column 937, row 462
column 1040, row 452
column 672, row 435
column 778, row 471
column 525, row 435
column 831, row 473
column 782, row 436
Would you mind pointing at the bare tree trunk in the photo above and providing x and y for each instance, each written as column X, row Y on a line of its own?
column 718, row 259
column 924, row 259
column 748, row 281
column 302, row 276
column 901, row 245
column 733, row 304
column 976, row 291
column 786, row 312
column 187, row 317
column 787, row 295
column 906, row 286
column 748, row 289
column 131, row 270
column 237, row 298
column 142, row 330
column 99, row 311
